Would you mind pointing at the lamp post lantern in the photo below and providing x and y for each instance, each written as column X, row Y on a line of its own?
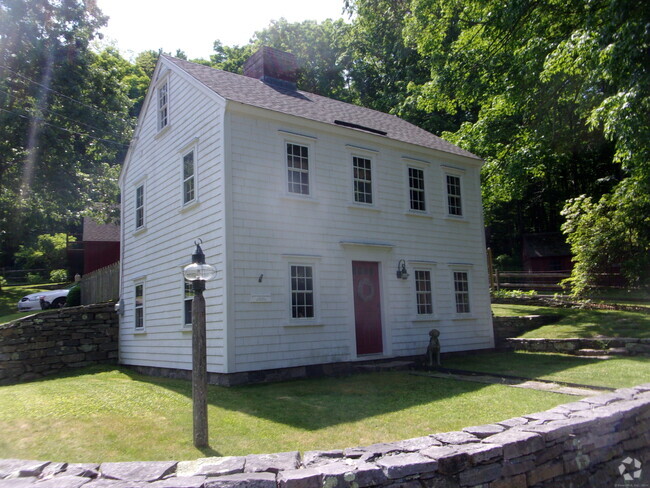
column 198, row 273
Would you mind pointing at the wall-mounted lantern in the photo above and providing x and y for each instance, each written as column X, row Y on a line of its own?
column 402, row 274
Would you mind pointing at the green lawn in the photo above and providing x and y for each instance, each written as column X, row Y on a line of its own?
column 9, row 297
column 581, row 322
column 107, row 414
column 614, row 373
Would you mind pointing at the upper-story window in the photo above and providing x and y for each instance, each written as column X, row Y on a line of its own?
column 362, row 177
column 189, row 177
column 298, row 168
column 454, row 200
column 416, row 189
column 139, row 207
column 163, row 106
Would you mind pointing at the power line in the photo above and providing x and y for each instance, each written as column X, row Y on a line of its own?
column 66, row 96
column 49, row 110
column 39, row 119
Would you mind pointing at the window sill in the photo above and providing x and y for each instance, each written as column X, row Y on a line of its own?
column 361, row 206
column 299, row 198
column 304, row 324
column 189, row 206
column 139, row 332
column 425, row 318
column 163, row 131
column 185, row 328
column 413, row 213
column 140, row 231
column 455, row 218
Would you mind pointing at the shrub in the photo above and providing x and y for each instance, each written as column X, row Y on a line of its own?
column 34, row 279
column 58, row 275
column 513, row 293
column 74, row 297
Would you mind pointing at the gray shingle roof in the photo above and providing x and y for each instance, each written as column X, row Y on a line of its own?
column 250, row 91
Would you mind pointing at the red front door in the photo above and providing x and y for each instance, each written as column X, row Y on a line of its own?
column 367, row 308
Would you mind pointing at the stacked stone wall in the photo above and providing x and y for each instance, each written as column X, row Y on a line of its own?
column 628, row 346
column 49, row 342
column 600, row 441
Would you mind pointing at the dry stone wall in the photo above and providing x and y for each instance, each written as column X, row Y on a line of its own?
column 48, row 342
column 601, row 441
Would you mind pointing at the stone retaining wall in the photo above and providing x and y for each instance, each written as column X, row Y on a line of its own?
column 506, row 327
column 607, row 345
column 601, row 441
column 48, row 342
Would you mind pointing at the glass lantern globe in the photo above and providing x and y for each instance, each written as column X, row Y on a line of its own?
column 197, row 271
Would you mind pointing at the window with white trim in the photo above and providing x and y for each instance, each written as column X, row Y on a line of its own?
column 454, row 200
column 187, row 303
column 163, row 106
column 461, row 291
column 139, row 306
column 362, row 178
column 423, row 292
column 139, row 207
column 297, row 168
column 416, row 189
column 302, row 291
column 189, row 177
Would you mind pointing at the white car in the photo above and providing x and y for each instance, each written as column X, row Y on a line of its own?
column 43, row 300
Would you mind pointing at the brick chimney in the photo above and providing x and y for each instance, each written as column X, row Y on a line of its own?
column 273, row 66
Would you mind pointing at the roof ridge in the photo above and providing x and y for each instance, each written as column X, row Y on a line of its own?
column 251, row 91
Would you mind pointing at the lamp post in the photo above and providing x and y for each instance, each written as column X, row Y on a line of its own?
column 198, row 273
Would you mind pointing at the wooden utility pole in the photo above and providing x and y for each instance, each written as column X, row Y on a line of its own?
column 199, row 367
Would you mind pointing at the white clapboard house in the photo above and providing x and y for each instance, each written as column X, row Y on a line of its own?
column 340, row 234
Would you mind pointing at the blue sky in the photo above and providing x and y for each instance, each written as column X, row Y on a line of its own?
column 193, row 25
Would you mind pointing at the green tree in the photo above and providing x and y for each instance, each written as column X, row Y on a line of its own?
column 64, row 113
column 49, row 252
column 558, row 97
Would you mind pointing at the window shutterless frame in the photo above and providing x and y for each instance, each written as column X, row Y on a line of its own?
column 139, row 206
column 298, row 165
column 362, row 180
column 417, row 198
column 423, row 292
column 453, row 186
column 139, row 304
column 461, row 292
column 189, row 169
column 162, row 95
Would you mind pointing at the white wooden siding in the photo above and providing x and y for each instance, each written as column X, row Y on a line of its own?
column 268, row 224
column 157, row 254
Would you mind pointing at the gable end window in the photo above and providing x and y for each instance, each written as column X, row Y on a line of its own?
column 454, row 201
column 423, row 294
column 163, row 106
column 189, row 178
column 416, row 189
column 139, row 207
column 362, row 174
column 302, row 292
column 298, row 169
column 461, row 291
column 139, row 306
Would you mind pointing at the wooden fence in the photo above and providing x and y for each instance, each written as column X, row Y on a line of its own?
column 523, row 280
column 102, row 285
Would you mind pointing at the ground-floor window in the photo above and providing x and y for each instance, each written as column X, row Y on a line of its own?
column 423, row 294
column 302, row 292
column 461, row 290
column 139, row 306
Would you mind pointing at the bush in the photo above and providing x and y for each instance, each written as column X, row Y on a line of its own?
column 513, row 293
column 58, row 275
column 34, row 279
column 3, row 282
column 74, row 297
